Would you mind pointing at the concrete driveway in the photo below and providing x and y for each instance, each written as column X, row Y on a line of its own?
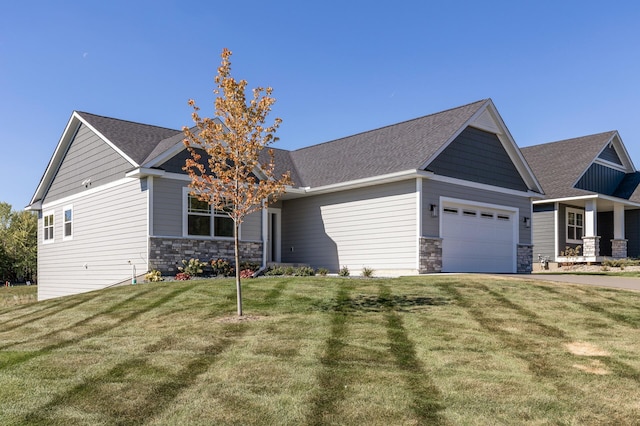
column 626, row 283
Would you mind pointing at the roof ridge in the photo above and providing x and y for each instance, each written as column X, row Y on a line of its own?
column 389, row 125
column 128, row 121
column 571, row 139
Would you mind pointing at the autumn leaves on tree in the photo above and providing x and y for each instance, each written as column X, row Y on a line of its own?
column 225, row 167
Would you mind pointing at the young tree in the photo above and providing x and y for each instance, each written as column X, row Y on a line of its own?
column 225, row 167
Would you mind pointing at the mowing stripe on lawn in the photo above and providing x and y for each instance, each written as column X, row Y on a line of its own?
column 331, row 379
column 44, row 313
column 28, row 355
column 90, row 392
column 427, row 402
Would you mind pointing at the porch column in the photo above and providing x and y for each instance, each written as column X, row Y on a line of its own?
column 591, row 241
column 619, row 243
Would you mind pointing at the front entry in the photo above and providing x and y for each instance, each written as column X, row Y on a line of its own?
column 273, row 235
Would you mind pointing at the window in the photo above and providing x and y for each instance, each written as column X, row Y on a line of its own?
column 47, row 228
column 575, row 225
column 202, row 223
column 67, row 226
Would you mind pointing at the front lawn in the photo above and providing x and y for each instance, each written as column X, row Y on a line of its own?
column 464, row 349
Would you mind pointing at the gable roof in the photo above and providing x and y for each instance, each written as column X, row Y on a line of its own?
column 398, row 147
column 136, row 140
column 559, row 165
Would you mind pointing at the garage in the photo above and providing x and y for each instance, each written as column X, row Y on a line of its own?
column 478, row 238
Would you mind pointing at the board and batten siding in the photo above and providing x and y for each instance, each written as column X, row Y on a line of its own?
column 432, row 190
column 109, row 231
column 88, row 157
column 373, row 227
column 543, row 229
column 168, row 210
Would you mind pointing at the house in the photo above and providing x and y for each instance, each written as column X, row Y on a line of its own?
column 592, row 199
column 445, row 192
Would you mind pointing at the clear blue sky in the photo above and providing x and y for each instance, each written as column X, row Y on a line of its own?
column 554, row 69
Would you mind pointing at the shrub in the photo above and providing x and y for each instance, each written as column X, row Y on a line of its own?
column 153, row 276
column 182, row 276
column 221, row 267
column 322, row 272
column 275, row 271
column 367, row 272
column 304, row 271
column 253, row 266
column 289, row 270
column 344, row 272
column 192, row 267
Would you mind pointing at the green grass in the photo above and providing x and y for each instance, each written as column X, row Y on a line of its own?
column 311, row 351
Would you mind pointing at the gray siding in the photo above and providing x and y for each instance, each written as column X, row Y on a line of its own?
column 543, row 231
column 478, row 156
column 632, row 232
column 109, row 230
column 374, row 227
column 610, row 154
column 88, row 157
column 432, row 190
column 601, row 179
column 168, row 212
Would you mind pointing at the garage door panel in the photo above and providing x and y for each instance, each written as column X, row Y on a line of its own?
column 477, row 239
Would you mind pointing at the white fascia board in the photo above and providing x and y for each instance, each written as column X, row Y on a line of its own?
column 474, row 117
column 71, row 198
column 484, row 186
column 68, row 134
column 104, row 138
column 370, row 181
column 589, row 197
column 141, row 172
column 617, row 141
column 514, row 151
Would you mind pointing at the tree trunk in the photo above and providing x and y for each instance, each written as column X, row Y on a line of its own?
column 237, row 255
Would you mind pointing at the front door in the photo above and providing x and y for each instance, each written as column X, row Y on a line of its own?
column 273, row 235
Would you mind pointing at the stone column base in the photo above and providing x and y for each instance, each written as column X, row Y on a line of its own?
column 525, row 258
column 591, row 246
column 619, row 249
column 430, row 255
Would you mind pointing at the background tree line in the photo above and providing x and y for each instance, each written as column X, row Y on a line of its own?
column 18, row 244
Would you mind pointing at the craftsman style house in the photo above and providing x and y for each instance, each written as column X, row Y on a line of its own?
column 449, row 191
column 592, row 199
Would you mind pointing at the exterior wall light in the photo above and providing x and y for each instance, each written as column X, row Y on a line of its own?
column 527, row 222
column 434, row 210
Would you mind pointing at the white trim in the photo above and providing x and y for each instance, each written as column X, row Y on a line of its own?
column 588, row 197
column 277, row 238
column 150, row 202
column 52, row 226
column 418, row 219
column 610, row 164
column 141, row 172
column 264, row 215
column 369, row 181
column 66, row 208
column 568, row 210
column 94, row 190
column 212, row 215
column 556, row 225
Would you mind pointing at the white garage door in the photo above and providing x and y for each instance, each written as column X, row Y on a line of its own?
column 478, row 239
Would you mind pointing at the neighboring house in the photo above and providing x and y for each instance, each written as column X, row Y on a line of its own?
column 446, row 192
column 592, row 199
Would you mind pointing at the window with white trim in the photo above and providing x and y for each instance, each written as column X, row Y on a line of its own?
column 47, row 227
column 67, row 224
column 575, row 225
column 201, row 221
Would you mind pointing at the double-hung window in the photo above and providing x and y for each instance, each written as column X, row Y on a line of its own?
column 202, row 221
column 47, row 227
column 67, row 226
column 575, row 225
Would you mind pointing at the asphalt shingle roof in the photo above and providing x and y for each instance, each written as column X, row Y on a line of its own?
column 136, row 140
column 559, row 165
column 398, row 147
